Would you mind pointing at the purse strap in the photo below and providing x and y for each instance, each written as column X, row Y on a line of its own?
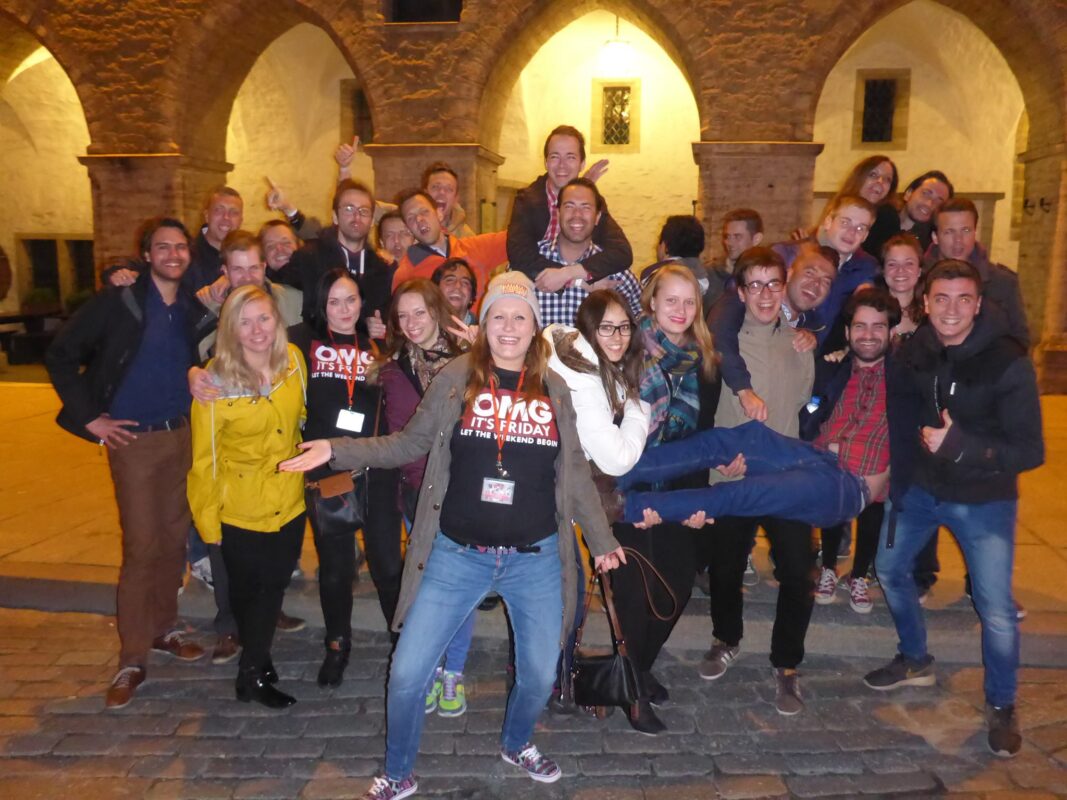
column 617, row 640
column 643, row 564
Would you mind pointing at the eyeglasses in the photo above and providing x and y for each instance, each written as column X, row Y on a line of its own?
column 607, row 330
column 774, row 284
column 361, row 211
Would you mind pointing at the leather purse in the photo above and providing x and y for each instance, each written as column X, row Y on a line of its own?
column 603, row 681
column 338, row 503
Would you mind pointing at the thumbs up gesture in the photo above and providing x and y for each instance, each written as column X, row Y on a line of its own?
column 375, row 326
column 933, row 438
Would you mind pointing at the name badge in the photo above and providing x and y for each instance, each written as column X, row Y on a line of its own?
column 498, row 490
column 349, row 420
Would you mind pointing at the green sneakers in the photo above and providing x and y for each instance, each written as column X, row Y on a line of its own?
column 453, row 700
column 433, row 697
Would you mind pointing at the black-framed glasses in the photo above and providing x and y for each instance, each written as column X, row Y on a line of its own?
column 607, row 330
column 774, row 284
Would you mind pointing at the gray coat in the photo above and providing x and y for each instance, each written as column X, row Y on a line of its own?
column 430, row 431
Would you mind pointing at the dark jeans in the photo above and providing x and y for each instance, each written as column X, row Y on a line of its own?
column 927, row 565
column 868, row 527
column 260, row 566
column 225, row 624
column 381, row 539
column 794, row 567
column 671, row 548
column 785, row 478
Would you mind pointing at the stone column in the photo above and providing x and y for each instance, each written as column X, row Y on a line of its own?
column 1043, row 261
column 128, row 188
column 400, row 166
column 775, row 178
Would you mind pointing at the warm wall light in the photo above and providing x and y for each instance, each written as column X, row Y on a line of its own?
column 615, row 59
column 32, row 60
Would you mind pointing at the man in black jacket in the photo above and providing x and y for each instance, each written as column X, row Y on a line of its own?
column 345, row 244
column 534, row 218
column 964, row 421
column 136, row 344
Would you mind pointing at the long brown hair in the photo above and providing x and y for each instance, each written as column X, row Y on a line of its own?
column 625, row 374
column 436, row 304
column 698, row 331
column 482, row 366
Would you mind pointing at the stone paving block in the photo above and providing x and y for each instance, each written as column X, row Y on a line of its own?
column 766, row 719
column 29, row 674
column 682, row 765
column 46, row 690
column 441, row 744
column 823, row 785
column 478, row 744
column 277, row 728
column 168, row 767
column 27, row 658
column 31, row 744
column 96, row 767
column 209, row 727
column 434, row 766
column 334, row 789
column 366, row 725
column 974, row 780
column 112, row 724
column 358, row 687
column 335, row 706
column 270, row 789
column 295, row 748
column 664, row 743
column 75, row 705
column 797, row 742
column 719, row 721
column 19, row 708
column 897, row 783
column 608, row 792
column 677, row 720
column 190, row 790
column 320, row 768
column 1048, row 779
column 608, row 764
column 244, row 768
column 691, row 789
column 476, row 721
column 355, row 747
column 571, row 743
column 147, row 745
column 878, row 739
column 879, row 761
column 84, row 744
column 87, row 658
column 223, row 748
column 824, row 763
column 749, row 787
column 84, row 788
column 750, row 763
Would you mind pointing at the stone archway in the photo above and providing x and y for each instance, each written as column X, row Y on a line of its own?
column 43, row 131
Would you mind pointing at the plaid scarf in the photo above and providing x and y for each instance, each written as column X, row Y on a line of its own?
column 425, row 364
column 669, row 385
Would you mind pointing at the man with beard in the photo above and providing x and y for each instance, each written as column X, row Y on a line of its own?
column 964, row 421
column 581, row 207
column 846, row 415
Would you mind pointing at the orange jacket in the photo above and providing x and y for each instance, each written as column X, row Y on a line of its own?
column 484, row 252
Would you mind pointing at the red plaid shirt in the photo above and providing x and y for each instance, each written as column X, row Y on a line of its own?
column 858, row 423
column 553, row 214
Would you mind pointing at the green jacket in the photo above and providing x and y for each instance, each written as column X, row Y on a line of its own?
column 430, row 431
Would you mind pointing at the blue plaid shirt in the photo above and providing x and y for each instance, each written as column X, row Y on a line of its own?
column 562, row 307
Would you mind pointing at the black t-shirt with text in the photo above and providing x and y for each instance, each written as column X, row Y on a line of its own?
column 332, row 360
column 531, row 445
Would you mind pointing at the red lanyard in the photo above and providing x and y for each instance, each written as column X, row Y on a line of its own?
column 350, row 373
column 499, row 428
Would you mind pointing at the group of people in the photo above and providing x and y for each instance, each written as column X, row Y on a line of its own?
column 498, row 396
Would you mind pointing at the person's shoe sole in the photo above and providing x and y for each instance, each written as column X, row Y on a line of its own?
column 441, row 712
column 787, row 712
column 860, row 609
column 824, row 599
column 533, row 776
column 918, row 680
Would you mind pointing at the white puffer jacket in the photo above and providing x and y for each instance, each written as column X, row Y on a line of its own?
column 613, row 448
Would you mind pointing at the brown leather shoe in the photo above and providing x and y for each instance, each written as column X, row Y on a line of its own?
column 226, row 649
column 289, row 624
column 123, row 685
column 175, row 644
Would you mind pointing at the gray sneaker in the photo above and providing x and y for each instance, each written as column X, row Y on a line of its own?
column 902, row 671
column 750, row 577
column 787, row 692
column 716, row 660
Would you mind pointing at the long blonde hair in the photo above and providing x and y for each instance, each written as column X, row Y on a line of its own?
column 698, row 331
column 229, row 364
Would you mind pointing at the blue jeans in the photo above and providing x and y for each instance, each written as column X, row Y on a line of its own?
column 986, row 534
column 455, row 580
column 456, row 653
column 785, row 478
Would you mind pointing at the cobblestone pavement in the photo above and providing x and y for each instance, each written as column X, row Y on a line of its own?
column 184, row 736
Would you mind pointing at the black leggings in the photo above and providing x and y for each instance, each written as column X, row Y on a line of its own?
column 259, row 566
column 671, row 547
column 868, row 528
column 381, row 539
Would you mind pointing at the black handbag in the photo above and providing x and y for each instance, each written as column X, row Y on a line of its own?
column 338, row 503
column 603, row 681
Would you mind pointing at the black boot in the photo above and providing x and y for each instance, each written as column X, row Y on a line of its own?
column 655, row 691
column 644, row 720
column 270, row 674
column 332, row 671
column 253, row 685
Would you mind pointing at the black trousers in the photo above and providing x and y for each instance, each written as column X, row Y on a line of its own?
column 260, row 566
column 794, row 569
column 337, row 573
column 868, row 528
column 671, row 547
column 381, row 539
